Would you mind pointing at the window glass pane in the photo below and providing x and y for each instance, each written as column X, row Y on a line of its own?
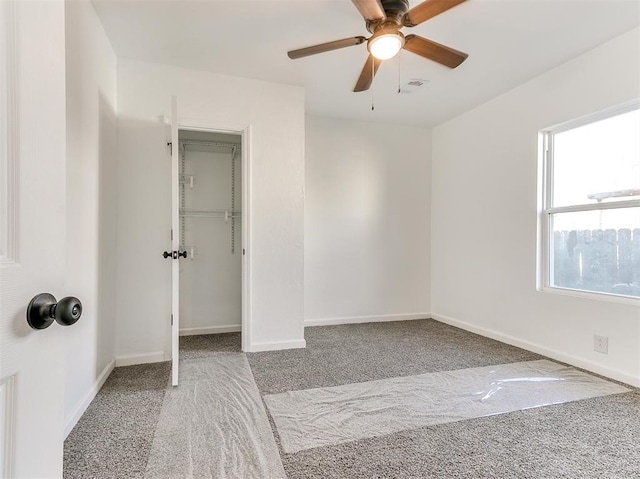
column 598, row 162
column 597, row 251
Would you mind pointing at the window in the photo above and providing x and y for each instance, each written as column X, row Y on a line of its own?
column 590, row 228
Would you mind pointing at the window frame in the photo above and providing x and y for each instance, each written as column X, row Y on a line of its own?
column 547, row 211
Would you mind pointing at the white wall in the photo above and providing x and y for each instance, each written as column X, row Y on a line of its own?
column 484, row 212
column 367, row 223
column 91, row 187
column 275, row 114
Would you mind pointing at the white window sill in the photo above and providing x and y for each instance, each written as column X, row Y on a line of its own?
column 612, row 298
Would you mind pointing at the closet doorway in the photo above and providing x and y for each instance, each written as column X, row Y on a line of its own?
column 210, row 211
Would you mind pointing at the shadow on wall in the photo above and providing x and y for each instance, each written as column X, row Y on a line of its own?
column 107, row 231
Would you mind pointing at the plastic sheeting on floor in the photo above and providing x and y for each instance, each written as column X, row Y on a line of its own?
column 214, row 425
column 327, row 416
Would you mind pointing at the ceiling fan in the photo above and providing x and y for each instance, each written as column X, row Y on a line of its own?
column 384, row 19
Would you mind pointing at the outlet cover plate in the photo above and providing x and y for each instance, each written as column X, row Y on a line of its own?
column 601, row 344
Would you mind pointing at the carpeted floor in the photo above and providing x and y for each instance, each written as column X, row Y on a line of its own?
column 584, row 439
column 364, row 352
column 114, row 436
column 594, row 438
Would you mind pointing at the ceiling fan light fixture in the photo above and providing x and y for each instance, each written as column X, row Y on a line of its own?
column 386, row 45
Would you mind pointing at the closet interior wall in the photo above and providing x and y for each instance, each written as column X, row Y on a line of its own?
column 210, row 232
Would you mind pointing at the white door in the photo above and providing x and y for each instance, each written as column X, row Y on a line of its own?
column 175, row 244
column 32, row 234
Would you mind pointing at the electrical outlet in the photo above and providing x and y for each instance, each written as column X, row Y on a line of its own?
column 601, row 344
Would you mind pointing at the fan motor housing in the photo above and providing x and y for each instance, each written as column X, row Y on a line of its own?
column 395, row 6
column 394, row 10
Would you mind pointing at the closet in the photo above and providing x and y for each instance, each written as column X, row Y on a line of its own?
column 210, row 212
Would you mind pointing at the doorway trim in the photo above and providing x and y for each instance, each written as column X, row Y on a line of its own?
column 245, row 133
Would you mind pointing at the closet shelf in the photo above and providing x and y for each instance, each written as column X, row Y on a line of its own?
column 210, row 145
column 224, row 214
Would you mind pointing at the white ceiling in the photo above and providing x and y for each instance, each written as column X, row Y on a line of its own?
column 508, row 42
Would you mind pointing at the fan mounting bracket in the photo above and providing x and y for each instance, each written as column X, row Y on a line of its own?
column 394, row 20
column 399, row 7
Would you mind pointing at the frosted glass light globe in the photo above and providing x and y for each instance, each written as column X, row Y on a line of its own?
column 385, row 46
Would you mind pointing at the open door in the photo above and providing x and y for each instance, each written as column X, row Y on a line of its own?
column 175, row 244
column 32, row 235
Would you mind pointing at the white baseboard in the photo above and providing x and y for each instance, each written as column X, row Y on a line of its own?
column 144, row 358
column 82, row 406
column 233, row 328
column 277, row 345
column 366, row 319
column 539, row 349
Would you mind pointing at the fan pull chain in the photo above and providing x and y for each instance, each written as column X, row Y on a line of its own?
column 373, row 81
column 399, row 88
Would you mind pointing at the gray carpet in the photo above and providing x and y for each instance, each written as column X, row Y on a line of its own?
column 319, row 417
column 195, row 347
column 353, row 353
column 594, row 438
column 585, row 439
column 114, row 436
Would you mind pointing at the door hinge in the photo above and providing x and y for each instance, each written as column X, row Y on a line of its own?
column 172, row 320
column 170, row 145
column 171, row 235
column 243, row 252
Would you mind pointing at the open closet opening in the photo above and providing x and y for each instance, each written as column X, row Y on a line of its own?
column 210, row 214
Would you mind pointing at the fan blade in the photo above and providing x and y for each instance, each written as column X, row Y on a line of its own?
column 370, row 9
column 434, row 51
column 326, row 47
column 368, row 72
column 428, row 9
